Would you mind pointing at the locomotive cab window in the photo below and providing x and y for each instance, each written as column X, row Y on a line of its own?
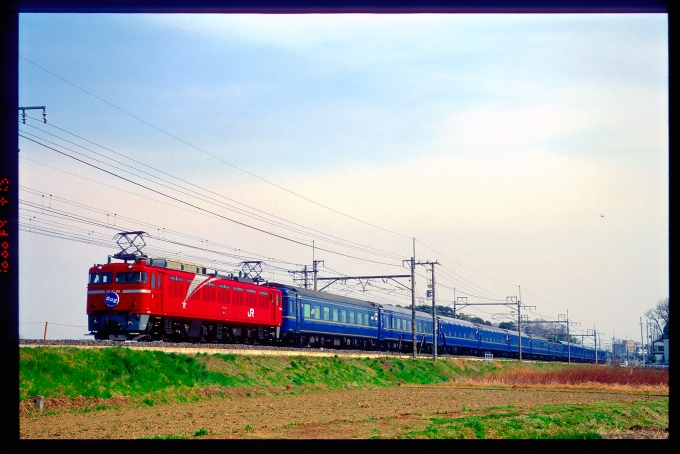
column 132, row 277
column 100, row 278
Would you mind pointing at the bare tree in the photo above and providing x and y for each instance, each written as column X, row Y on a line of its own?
column 660, row 315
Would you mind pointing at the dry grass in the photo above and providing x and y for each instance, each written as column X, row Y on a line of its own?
column 577, row 378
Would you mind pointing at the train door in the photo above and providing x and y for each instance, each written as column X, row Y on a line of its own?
column 274, row 304
column 297, row 312
column 160, row 288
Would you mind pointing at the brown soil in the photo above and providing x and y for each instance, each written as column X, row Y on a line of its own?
column 385, row 412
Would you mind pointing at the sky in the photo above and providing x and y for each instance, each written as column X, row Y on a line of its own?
column 526, row 154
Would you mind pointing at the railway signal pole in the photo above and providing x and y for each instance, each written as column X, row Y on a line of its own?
column 434, row 309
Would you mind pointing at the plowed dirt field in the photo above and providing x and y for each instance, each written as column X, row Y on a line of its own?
column 382, row 412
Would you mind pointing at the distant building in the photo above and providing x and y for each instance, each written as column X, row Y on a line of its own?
column 660, row 349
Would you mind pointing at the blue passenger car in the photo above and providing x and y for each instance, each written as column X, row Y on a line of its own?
column 556, row 351
column 493, row 340
column 457, row 336
column 539, row 348
column 513, row 344
column 396, row 330
column 320, row 319
column 577, row 352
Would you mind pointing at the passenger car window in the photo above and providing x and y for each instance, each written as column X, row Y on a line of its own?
column 359, row 318
column 343, row 315
column 307, row 310
column 351, row 316
column 317, row 312
column 326, row 313
column 335, row 315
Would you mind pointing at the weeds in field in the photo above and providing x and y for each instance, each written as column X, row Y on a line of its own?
column 561, row 421
column 202, row 432
column 577, row 375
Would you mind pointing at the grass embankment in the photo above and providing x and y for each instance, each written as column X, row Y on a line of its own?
column 94, row 379
column 97, row 378
column 599, row 420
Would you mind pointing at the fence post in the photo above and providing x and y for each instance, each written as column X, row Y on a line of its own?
column 45, row 333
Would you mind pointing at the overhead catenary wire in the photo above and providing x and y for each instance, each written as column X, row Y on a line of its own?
column 214, row 156
column 316, row 233
column 135, row 221
column 222, row 205
column 459, row 264
column 209, row 211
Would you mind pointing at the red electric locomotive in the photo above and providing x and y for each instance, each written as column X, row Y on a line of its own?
column 166, row 299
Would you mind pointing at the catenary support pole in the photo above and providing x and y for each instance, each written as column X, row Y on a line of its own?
column 413, row 299
column 434, row 318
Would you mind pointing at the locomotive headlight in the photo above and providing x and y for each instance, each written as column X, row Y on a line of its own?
column 129, row 267
column 99, row 267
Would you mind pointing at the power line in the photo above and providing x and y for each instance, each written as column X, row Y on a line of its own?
column 212, row 155
column 206, row 210
column 220, row 204
column 136, row 221
column 470, row 269
column 239, row 210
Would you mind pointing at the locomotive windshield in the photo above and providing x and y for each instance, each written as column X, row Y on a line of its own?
column 132, row 277
column 100, row 278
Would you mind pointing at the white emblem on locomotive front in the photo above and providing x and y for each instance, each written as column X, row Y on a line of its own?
column 111, row 299
column 251, row 312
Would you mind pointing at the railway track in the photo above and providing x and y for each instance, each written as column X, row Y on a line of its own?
column 223, row 349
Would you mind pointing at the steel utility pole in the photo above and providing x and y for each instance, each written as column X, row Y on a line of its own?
column 595, row 340
column 315, row 270
column 434, row 310
column 563, row 317
column 642, row 342
column 519, row 317
column 412, row 264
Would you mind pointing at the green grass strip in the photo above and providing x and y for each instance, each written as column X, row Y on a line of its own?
column 560, row 421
